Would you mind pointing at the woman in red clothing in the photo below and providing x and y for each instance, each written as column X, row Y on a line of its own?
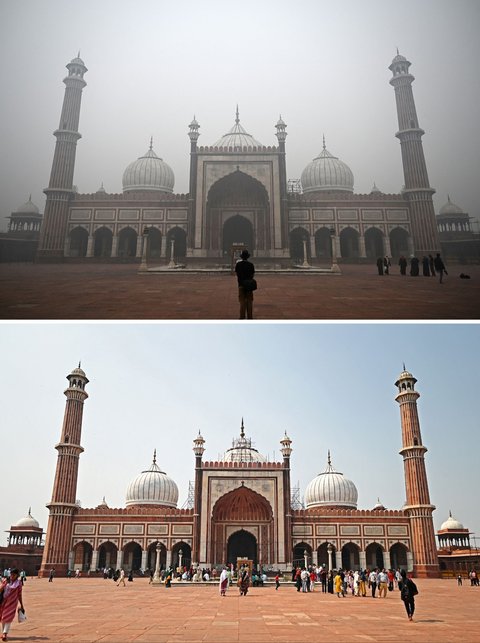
column 12, row 595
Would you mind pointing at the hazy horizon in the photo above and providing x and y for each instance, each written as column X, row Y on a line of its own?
column 153, row 65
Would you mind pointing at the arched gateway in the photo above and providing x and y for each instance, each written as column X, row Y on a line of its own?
column 242, row 526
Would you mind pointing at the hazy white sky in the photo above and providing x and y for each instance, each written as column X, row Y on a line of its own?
column 322, row 65
column 330, row 386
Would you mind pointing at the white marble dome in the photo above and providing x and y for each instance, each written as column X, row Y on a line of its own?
column 28, row 521
column 331, row 489
column 148, row 173
column 28, row 208
column 242, row 450
column 152, row 487
column 450, row 208
column 451, row 524
column 237, row 137
column 326, row 173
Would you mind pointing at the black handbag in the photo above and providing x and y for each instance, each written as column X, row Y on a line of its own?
column 249, row 285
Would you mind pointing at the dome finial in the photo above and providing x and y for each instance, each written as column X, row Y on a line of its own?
column 151, row 143
column 237, row 116
column 404, row 366
column 154, row 456
column 324, row 141
column 30, row 512
column 398, row 53
column 450, row 513
column 329, row 460
column 448, row 197
column 242, row 430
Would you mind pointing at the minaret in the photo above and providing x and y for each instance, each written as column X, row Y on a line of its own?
column 60, row 189
column 286, row 451
column 193, row 135
column 418, row 506
column 63, row 504
column 417, row 188
column 199, row 450
column 281, row 135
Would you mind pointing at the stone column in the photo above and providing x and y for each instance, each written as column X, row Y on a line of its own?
column 386, row 245
column 156, row 576
column 338, row 251
column 361, row 247
column 169, row 558
column 138, row 251
column 114, row 246
column 119, row 559
column 90, row 245
column 411, row 249
column 363, row 559
column 387, row 561
column 143, row 564
column 409, row 561
column 93, row 564
column 312, row 246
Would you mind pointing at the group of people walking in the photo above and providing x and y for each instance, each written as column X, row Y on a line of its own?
column 431, row 266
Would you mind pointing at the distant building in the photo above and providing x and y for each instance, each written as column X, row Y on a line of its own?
column 239, row 194
column 241, row 507
column 455, row 553
column 25, row 546
column 459, row 242
column 20, row 242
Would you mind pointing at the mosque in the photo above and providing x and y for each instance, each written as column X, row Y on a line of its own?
column 239, row 194
column 241, row 507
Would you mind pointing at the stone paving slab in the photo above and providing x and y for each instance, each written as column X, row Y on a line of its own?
column 96, row 610
column 118, row 291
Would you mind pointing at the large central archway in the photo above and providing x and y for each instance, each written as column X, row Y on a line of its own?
column 242, row 544
column 237, row 211
column 245, row 512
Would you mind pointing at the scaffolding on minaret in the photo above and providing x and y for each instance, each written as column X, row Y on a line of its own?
column 189, row 502
column 296, row 498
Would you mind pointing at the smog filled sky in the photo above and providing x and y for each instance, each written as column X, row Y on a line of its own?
column 330, row 386
column 323, row 66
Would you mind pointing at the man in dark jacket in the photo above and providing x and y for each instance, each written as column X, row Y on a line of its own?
column 440, row 266
column 408, row 591
column 245, row 271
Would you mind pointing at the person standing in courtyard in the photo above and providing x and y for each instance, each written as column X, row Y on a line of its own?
column 223, row 582
column 121, row 579
column 440, row 267
column 51, row 575
column 11, row 592
column 402, row 262
column 245, row 271
column 408, row 591
column 380, row 265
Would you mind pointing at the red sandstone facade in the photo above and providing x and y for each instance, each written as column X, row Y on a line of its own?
column 242, row 508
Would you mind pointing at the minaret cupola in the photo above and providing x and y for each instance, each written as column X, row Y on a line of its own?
column 193, row 133
column 281, row 127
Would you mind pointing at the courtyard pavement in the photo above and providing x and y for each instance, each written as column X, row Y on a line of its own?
column 106, row 291
column 97, row 610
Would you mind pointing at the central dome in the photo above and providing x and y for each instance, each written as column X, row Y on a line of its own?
column 148, row 173
column 452, row 524
column 331, row 489
column 242, row 450
column 152, row 487
column 326, row 173
column 450, row 208
column 237, row 137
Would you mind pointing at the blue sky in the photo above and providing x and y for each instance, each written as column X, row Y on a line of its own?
column 330, row 386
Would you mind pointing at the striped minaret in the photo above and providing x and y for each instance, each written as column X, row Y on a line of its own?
column 60, row 189
column 198, row 449
column 417, row 188
column 418, row 506
column 58, row 541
